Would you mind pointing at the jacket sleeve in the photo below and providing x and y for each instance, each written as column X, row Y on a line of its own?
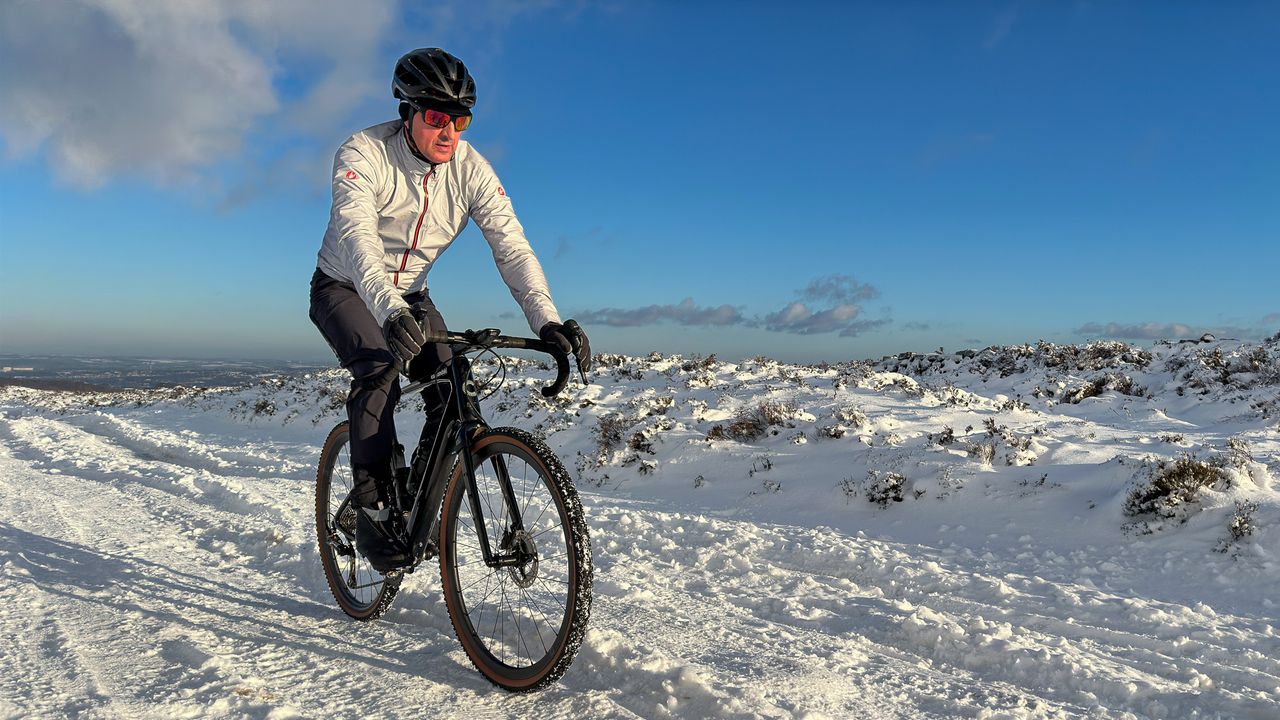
column 491, row 209
column 354, row 224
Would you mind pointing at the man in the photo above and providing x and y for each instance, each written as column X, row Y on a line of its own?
column 402, row 193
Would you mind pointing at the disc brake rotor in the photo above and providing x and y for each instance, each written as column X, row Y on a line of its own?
column 525, row 573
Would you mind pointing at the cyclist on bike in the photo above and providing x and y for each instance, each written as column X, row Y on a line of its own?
column 402, row 192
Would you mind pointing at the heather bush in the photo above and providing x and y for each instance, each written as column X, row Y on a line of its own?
column 752, row 423
column 883, row 488
column 1170, row 487
column 608, row 432
column 1241, row 524
column 1118, row 382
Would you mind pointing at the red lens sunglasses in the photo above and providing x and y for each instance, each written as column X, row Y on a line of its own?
column 437, row 119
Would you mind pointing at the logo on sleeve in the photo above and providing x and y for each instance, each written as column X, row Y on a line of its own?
column 351, row 174
column 501, row 191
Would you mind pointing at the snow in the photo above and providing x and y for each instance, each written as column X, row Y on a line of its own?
column 158, row 555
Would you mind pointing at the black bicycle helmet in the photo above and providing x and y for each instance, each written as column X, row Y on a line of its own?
column 432, row 78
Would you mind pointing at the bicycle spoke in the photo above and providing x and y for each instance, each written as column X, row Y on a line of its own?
column 540, row 533
column 528, row 493
column 544, row 618
column 477, row 581
column 555, row 595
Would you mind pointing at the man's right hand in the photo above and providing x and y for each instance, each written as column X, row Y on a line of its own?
column 404, row 336
column 572, row 339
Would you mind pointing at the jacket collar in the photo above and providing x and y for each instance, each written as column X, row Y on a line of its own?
column 408, row 156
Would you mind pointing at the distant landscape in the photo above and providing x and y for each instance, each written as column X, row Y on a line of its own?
column 64, row 372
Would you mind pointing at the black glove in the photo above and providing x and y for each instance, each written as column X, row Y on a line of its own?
column 570, row 338
column 404, row 336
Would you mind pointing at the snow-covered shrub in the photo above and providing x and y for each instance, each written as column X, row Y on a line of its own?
column 641, row 443
column 695, row 363
column 608, row 432
column 753, row 422
column 883, row 488
column 1241, row 524
column 1238, row 453
column 1118, row 382
column 943, row 438
column 984, row 451
column 1168, row 488
column 610, row 360
column 852, row 416
column 835, row 432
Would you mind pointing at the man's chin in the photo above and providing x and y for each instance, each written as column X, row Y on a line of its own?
column 438, row 157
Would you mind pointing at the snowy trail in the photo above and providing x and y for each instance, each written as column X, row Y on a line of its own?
column 161, row 566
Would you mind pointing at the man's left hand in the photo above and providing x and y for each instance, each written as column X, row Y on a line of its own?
column 570, row 337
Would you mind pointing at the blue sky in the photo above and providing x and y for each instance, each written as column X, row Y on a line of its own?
column 821, row 182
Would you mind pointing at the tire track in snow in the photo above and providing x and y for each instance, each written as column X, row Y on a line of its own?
column 187, row 449
column 66, row 448
column 676, row 571
column 133, row 606
column 194, row 632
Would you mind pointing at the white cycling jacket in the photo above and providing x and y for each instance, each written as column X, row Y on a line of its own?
column 393, row 215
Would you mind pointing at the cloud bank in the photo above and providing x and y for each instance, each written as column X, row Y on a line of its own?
column 1177, row 331
column 798, row 318
column 687, row 312
column 161, row 90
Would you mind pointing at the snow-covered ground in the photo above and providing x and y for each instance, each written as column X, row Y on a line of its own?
column 991, row 534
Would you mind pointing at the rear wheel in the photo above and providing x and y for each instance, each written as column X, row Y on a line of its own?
column 520, row 624
column 361, row 592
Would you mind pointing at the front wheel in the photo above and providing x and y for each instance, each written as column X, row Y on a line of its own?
column 520, row 623
column 361, row 592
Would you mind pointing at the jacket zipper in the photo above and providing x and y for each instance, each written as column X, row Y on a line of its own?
column 404, row 260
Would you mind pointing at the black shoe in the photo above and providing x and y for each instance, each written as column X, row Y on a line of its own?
column 378, row 539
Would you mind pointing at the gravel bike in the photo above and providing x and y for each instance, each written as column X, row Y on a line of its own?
column 497, row 508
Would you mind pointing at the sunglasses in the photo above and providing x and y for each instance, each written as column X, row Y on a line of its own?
column 437, row 119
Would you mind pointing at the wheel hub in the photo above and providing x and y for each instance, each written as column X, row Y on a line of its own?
column 525, row 572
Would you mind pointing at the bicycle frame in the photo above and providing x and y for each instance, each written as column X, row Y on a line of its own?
column 461, row 422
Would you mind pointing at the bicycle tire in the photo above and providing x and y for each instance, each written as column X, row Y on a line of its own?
column 562, row 574
column 361, row 592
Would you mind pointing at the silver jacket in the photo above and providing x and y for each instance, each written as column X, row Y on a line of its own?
column 393, row 215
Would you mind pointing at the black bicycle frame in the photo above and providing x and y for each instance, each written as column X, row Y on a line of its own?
column 461, row 422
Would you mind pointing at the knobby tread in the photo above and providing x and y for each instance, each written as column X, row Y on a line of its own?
column 579, row 536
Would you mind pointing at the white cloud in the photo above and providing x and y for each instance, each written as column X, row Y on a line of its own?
column 799, row 318
column 838, row 288
column 1001, row 27
column 164, row 89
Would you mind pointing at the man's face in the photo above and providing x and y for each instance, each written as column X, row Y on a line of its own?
column 436, row 143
